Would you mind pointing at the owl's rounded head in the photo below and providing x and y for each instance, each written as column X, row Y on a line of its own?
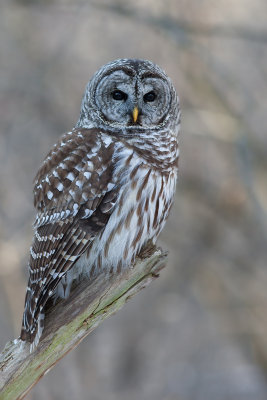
column 129, row 94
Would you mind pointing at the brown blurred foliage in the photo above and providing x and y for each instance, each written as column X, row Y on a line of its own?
column 199, row 332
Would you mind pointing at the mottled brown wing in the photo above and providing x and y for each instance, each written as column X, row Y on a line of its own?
column 74, row 195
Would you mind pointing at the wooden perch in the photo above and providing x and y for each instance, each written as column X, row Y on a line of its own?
column 69, row 321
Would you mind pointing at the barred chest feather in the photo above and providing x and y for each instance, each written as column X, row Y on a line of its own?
column 144, row 201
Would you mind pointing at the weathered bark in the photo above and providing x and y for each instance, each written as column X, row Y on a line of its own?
column 69, row 321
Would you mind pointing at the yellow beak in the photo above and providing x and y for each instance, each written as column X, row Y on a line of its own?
column 135, row 114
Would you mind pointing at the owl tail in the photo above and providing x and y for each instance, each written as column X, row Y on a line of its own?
column 32, row 331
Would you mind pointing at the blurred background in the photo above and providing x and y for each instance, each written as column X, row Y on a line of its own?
column 200, row 331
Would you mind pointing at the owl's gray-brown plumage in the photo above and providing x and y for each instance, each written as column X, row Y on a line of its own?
column 106, row 187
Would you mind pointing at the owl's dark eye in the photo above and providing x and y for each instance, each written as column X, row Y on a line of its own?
column 119, row 95
column 149, row 97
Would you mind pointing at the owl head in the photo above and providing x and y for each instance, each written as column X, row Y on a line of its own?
column 130, row 95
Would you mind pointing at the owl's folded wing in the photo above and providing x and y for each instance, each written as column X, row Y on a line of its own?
column 74, row 194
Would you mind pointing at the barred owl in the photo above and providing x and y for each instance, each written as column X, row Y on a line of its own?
column 106, row 187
